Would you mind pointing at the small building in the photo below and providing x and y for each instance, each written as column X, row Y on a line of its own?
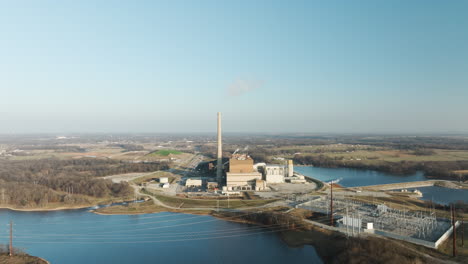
column 212, row 185
column 296, row 179
column 163, row 180
column 351, row 222
column 166, row 185
column 193, row 182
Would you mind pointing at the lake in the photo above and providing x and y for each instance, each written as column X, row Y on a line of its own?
column 443, row 195
column 78, row 236
column 355, row 177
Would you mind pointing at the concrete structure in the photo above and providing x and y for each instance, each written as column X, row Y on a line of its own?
column 241, row 175
column 290, row 168
column 278, row 173
column 166, row 185
column 402, row 185
column 260, row 185
column 212, row 185
column 219, row 166
column 275, row 173
column 351, row 222
column 260, row 167
column 163, row 180
column 241, row 163
column 296, row 179
column 193, row 182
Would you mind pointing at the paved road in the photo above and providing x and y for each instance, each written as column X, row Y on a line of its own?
column 127, row 177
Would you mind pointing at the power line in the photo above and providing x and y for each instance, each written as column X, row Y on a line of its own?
column 99, row 221
column 155, row 241
column 161, row 227
column 11, row 239
column 137, row 224
column 154, row 235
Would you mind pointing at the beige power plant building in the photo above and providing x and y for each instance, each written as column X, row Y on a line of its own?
column 241, row 175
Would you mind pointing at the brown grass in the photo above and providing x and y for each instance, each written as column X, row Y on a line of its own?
column 20, row 259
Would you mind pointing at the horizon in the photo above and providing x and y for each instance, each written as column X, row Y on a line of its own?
column 230, row 134
column 271, row 67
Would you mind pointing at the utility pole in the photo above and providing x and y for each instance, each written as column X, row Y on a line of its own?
column 347, row 221
column 358, row 225
column 454, row 232
column 11, row 238
column 228, row 200
column 331, row 203
column 463, row 232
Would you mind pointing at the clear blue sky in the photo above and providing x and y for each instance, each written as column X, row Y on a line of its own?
column 269, row 66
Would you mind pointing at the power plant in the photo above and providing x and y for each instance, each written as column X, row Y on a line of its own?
column 243, row 175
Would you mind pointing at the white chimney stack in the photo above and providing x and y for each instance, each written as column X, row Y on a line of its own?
column 219, row 166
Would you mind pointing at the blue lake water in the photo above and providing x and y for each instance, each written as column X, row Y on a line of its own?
column 443, row 195
column 78, row 236
column 355, row 177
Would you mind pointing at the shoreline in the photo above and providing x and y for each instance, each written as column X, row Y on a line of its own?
column 47, row 262
column 61, row 208
column 58, row 208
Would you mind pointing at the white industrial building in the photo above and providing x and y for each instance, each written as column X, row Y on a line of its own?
column 163, row 180
column 275, row 173
column 193, row 182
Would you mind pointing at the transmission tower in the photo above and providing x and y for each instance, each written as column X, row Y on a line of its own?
column 11, row 239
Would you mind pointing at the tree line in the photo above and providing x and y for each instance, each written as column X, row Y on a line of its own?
column 32, row 183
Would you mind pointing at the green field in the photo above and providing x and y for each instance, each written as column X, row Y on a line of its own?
column 165, row 152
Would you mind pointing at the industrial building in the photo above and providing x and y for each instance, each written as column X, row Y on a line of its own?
column 275, row 173
column 241, row 174
column 193, row 182
column 163, row 180
column 244, row 175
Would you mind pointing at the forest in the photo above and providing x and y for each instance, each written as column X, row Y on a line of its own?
column 37, row 183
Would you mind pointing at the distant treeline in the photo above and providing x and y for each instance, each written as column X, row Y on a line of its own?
column 39, row 182
column 128, row 147
column 433, row 169
column 392, row 141
column 58, row 148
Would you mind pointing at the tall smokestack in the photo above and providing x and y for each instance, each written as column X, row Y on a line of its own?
column 219, row 167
